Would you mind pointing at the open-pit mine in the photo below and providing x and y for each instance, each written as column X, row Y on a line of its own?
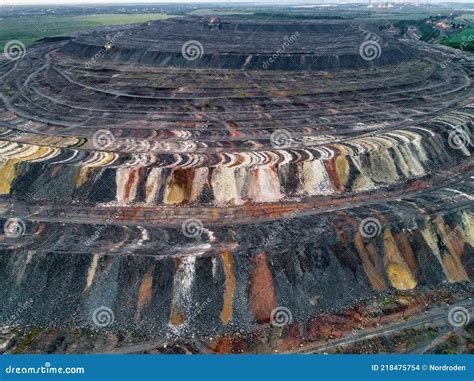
column 234, row 185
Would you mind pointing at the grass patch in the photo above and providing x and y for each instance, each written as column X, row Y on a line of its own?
column 219, row 12
column 30, row 29
column 418, row 339
column 463, row 40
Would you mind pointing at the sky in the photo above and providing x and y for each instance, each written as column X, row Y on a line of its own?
column 71, row 2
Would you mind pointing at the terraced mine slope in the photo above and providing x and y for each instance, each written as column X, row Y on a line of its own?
column 231, row 181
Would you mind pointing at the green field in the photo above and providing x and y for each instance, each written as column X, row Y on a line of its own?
column 30, row 29
column 463, row 40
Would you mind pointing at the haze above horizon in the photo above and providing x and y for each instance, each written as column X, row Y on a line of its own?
column 285, row 2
